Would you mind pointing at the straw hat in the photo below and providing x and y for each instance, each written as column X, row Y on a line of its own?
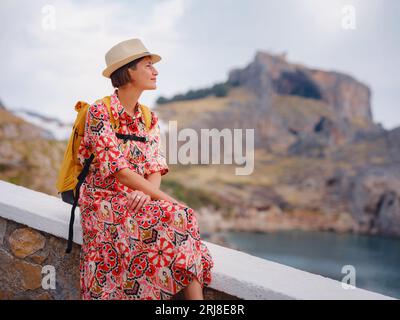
column 125, row 52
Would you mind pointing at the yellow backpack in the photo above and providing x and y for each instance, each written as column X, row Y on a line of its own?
column 71, row 174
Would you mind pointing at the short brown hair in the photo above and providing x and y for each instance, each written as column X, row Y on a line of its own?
column 121, row 76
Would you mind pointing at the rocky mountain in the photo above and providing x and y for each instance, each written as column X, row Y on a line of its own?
column 273, row 74
column 292, row 108
column 321, row 162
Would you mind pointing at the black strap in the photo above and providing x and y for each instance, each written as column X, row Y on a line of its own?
column 126, row 137
column 81, row 179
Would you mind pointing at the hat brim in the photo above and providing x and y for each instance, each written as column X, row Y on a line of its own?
column 110, row 69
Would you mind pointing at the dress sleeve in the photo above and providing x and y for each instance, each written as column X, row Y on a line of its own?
column 103, row 142
column 156, row 161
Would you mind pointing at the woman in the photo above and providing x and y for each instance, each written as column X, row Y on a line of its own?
column 138, row 242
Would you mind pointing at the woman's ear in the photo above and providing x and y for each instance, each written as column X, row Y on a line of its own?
column 131, row 75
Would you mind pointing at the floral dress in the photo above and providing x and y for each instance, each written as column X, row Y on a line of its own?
column 151, row 254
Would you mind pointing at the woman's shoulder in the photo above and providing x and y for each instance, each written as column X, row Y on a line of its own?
column 154, row 120
column 152, row 114
column 99, row 110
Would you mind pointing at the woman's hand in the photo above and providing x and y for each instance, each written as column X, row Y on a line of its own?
column 136, row 200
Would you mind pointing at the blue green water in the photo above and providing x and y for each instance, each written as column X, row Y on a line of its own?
column 376, row 259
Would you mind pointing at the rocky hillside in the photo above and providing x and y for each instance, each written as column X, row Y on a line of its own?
column 320, row 160
column 27, row 156
column 291, row 107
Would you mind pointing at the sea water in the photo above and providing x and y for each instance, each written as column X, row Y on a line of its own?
column 376, row 259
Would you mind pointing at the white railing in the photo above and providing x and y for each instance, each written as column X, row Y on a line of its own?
column 235, row 273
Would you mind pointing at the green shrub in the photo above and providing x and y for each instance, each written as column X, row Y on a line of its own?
column 193, row 197
column 217, row 90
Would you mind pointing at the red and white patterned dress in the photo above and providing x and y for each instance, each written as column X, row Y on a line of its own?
column 151, row 254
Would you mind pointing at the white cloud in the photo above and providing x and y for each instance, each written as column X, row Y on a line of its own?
column 51, row 69
column 163, row 19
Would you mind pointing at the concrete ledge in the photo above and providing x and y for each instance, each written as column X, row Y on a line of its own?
column 235, row 273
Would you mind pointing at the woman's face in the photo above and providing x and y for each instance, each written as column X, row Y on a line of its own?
column 144, row 77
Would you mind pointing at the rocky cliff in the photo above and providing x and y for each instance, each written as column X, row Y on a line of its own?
column 321, row 162
column 293, row 109
column 273, row 74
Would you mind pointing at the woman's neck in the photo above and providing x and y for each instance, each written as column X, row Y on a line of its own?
column 129, row 97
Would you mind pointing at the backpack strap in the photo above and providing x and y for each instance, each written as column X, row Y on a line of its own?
column 147, row 117
column 107, row 101
column 81, row 179
column 146, row 113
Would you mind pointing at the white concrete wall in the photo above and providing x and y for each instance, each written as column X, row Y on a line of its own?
column 235, row 272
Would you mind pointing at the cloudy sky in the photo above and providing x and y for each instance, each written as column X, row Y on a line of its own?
column 52, row 52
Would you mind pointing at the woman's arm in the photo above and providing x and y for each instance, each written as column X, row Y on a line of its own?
column 135, row 181
column 155, row 179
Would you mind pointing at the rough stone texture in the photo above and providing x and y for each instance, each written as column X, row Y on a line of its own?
column 25, row 241
column 292, row 108
column 31, row 274
column 18, row 274
column 308, row 108
column 3, row 226
column 273, row 74
column 375, row 195
column 392, row 138
column 21, row 278
column 39, row 257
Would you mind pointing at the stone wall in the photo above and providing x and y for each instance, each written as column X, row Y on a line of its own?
column 24, row 255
